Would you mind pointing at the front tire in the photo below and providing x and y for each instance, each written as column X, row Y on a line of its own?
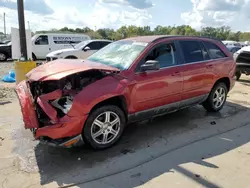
column 216, row 98
column 104, row 127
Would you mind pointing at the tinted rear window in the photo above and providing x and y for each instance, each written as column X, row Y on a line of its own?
column 104, row 43
column 94, row 45
column 192, row 51
column 214, row 51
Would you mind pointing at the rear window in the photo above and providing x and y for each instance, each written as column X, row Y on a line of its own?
column 192, row 51
column 94, row 45
column 214, row 51
column 104, row 43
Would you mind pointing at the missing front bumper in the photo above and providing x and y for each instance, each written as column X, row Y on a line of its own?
column 65, row 142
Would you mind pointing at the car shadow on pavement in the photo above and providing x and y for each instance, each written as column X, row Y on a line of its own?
column 141, row 144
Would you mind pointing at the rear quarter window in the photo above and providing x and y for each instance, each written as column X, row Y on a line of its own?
column 214, row 51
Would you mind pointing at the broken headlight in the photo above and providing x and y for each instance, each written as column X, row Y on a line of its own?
column 63, row 104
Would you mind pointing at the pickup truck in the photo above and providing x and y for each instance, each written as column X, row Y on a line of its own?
column 242, row 58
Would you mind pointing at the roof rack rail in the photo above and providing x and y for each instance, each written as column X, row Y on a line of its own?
column 176, row 36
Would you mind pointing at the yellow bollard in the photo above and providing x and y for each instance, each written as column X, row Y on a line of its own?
column 22, row 68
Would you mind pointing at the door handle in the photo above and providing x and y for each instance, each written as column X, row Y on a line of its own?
column 209, row 66
column 175, row 73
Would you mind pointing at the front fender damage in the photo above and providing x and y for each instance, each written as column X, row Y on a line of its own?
column 52, row 101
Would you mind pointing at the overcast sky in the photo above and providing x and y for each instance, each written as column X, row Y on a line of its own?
column 48, row 14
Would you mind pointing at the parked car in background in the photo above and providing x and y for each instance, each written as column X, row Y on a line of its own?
column 4, row 42
column 127, row 81
column 229, row 43
column 42, row 44
column 81, row 51
column 242, row 58
column 233, row 49
column 5, row 51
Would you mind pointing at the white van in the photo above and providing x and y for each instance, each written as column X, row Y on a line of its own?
column 42, row 44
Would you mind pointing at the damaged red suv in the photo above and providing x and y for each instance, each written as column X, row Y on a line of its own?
column 127, row 81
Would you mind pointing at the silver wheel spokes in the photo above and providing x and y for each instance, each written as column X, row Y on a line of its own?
column 105, row 127
column 219, row 97
column 2, row 57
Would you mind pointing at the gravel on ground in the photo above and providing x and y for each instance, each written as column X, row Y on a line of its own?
column 7, row 90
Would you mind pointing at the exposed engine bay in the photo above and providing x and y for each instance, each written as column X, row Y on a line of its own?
column 53, row 99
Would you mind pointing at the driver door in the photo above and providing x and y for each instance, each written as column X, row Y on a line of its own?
column 41, row 46
column 155, row 89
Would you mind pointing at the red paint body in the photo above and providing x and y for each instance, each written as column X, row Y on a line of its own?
column 142, row 91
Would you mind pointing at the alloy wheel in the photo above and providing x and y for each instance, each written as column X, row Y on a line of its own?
column 2, row 57
column 105, row 127
column 219, row 97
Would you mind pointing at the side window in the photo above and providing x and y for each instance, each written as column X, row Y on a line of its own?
column 164, row 54
column 204, row 52
column 103, row 44
column 42, row 40
column 192, row 51
column 94, row 45
column 214, row 50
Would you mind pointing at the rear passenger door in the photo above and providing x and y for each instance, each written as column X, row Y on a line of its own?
column 194, row 72
column 215, row 67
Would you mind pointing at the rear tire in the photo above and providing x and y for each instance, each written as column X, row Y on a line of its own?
column 101, row 132
column 216, row 98
column 3, row 56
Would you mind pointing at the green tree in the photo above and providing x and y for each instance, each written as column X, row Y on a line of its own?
column 223, row 33
column 233, row 36
column 245, row 36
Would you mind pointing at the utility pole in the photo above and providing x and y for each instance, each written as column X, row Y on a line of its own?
column 4, row 24
column 22, row 34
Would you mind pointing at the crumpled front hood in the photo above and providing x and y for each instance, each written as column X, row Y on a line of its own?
column 55, row 70
column 54, row 53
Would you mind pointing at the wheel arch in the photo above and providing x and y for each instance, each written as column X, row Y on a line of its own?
column 224, row 80
column 118, row 100
column 71, row 57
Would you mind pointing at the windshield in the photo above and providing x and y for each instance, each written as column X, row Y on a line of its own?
column 120, row 54
column 81, row 44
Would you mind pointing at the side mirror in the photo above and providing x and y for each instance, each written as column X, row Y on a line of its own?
column 86, row 48
column 150, row 65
